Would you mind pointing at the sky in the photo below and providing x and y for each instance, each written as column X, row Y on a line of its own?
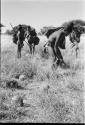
column 39, row 13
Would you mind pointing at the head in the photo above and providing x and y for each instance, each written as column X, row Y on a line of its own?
column 29, row 28
column 20, row 27
column 68, row 29
column 76, row 33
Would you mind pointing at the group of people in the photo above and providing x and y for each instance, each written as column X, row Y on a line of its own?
column 31, row 37
column 56, row 40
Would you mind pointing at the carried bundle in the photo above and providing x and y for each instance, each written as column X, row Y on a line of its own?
column 15, row 31
column 71, row 24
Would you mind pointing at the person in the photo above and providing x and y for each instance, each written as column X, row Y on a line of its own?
column 57, row 41
column 20, row 37
column 32, row 39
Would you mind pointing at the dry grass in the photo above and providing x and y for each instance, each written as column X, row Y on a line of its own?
column 55, row 96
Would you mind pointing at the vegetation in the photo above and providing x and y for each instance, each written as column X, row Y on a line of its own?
column 46, row 94
column 8, row 32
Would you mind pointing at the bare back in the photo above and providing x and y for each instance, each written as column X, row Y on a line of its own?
column 57, row 38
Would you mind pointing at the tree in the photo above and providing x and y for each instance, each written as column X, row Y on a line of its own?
column 9, row 32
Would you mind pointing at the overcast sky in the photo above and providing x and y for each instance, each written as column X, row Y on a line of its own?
column 39, row 13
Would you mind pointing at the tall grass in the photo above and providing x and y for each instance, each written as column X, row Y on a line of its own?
column 50, row 96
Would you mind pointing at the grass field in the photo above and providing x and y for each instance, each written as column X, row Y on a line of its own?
column 41, row 94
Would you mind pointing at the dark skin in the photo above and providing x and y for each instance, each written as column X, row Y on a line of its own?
column 55, row 41
column 32, row 40
column 31, row 44
column 75, row 37
column 18, row 46
column 19, row 42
